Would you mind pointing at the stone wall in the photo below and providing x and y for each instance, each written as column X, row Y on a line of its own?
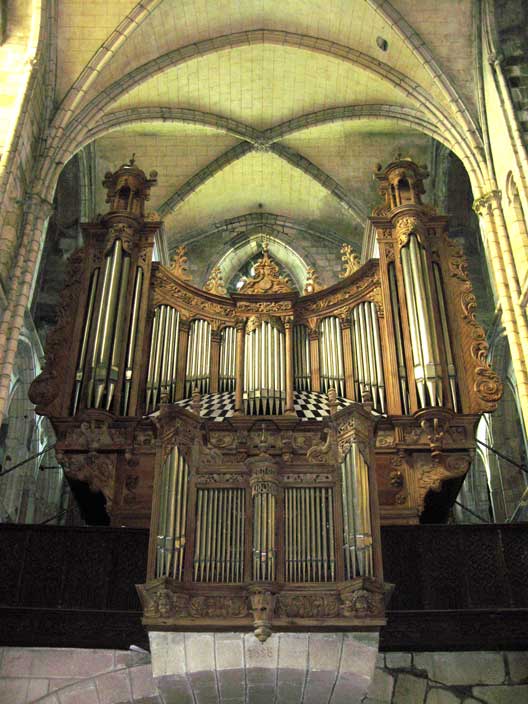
column 75, row 676
column 450, row 678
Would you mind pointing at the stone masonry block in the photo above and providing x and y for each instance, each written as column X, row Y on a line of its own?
column 229, row 651
column 81, row 693
column 502, row 695
column 325, row 652
column 261, row 655
column 441, row 696
column 114, row 687
column 199, row 649
column 518, row 665
column 381, row 686
column 462, row 668
column 398, row 660
column 143, row 684
column 409, row 689
column 70, row 662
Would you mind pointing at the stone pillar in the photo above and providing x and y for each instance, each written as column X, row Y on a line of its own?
column 503, row 269
column 239, row 371
column 37, row 213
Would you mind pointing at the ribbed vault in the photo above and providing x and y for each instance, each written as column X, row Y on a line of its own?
column 279, row 108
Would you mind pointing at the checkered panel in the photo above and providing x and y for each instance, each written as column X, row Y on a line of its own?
column 308, row 405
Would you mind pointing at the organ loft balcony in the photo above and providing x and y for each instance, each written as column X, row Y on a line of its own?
column 265, row 435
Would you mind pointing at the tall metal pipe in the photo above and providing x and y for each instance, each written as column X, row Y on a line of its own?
column 88, row 320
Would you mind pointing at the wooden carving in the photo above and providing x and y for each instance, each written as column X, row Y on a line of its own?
column 351, row 262
column 267, row 277
column 215, row 283
column 178, row 265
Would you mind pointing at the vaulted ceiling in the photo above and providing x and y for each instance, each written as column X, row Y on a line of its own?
column 257, row 106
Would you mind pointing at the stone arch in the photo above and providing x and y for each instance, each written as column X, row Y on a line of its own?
column 240, row 253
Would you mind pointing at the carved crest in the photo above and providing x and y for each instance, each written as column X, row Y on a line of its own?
column 312, row 281
column 267, row 277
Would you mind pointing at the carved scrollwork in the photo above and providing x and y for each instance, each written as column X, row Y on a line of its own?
column 308, row 606
column 487, row 385
column 97, row 469
column 218, row 607
column 45, row 388
column 215, row 283
column 220, row 478
column 361, row 601
column 323, row 452
column 308, row 478
column 404, row 227
column 351, row 261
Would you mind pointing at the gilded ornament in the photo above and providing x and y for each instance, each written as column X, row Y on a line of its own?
column 178, row 265
column 312, row 281
column 215, row 283
column 351, row 262
column 267, row 278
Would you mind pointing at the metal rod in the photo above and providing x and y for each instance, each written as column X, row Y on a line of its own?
column 86, row 336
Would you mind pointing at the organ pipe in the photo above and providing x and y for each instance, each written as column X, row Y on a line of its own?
column 368, row 366
column 173, row 517
column 398, row 340
column 451, row 371
column 264, row 368
column 219, row 536
column 198, row 357
column 357, row 531
column 301, row 358
column 108, row 338
column 263, row 536
column 309, row 536
column 131, row 347
column 227, row 359
column 424, row 343
column 331, row 356
column 161, row 375
column 88, row 320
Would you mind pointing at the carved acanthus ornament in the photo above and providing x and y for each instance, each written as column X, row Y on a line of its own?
column 487, row 386
column 215, row 283
column 312, row 281
column 178, row 265
column 267, row 277
column 404, row 227
column 351, row 261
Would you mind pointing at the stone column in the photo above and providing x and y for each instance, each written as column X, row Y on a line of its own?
column 38, row 211
column 501, row 274
column 239, row 371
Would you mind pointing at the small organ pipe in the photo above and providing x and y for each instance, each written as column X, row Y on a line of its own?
column 198, row 357
column 172, row 517
column 331, row 355
column 163, row 357
column 367, row 353
column 357, row 538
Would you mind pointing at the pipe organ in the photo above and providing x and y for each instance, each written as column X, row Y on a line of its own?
column 264, row 435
